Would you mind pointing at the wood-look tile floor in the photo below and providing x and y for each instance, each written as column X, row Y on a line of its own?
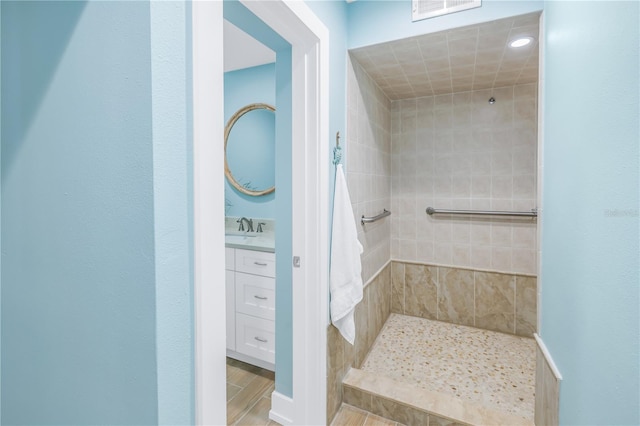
column 352, row 416
column 249, row 391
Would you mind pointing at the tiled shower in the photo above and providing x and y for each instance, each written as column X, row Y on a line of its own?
column 446, row 120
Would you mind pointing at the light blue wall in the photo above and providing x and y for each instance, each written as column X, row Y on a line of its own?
column 0, row 216
column 589, row 280
column 173, row 209
column 241, row 88
column 333, row 15
column 78, row 284
column 373, row 21
column 284, row 235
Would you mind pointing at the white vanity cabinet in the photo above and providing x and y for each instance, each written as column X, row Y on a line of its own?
column 250, row 286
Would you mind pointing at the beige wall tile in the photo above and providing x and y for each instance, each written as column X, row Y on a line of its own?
column 368, row 166
column 441, row 421
column 551, row 397
column 349, row 359
column 547, row 393
column 397, row 287
column 462, row 254
column 398, row 412
column 376, row 307
column 421, row 291
column 481, row 257
column 487, row 163
column 385, row 289
column 357, row 398
column 501, row 258
column 495, row 302
column 335, row 356
column 455, row 296
column 363, row 334
column 526, row 305
column 539, row 400
column 524, row 260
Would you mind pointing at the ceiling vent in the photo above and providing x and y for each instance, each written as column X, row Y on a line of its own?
column 422, row 9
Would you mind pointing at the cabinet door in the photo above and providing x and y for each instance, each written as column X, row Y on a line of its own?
column 230, row 295
column 256, row 337
column 256, row 295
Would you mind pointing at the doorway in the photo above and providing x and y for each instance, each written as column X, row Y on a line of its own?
column 309, row 200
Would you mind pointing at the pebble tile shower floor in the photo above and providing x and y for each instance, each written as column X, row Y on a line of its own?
column 491, row 369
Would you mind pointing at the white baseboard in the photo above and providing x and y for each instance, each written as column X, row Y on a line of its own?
column 281, row 409
column 547, row 356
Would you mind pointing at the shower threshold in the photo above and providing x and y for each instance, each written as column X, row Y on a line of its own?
column 421, row 371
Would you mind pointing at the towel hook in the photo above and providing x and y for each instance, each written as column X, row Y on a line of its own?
column 337, row 151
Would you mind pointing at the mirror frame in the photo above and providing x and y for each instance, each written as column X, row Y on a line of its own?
column 227, row 130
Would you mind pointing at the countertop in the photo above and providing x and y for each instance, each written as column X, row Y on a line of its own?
column 259, row 241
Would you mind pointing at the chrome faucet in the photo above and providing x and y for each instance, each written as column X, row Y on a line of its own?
column 249, row 224
column 260, row 226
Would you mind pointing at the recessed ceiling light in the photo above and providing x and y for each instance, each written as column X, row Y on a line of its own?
column 521, row 42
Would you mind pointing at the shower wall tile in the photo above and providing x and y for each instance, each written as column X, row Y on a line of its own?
column 357, row 398
column 363, row 331
column 488, row 300
column 495, row 301
column 398, row 412
column 370, row 315
column 457, row 151
column 547, row 393
column 335, row 374
column 397, row 287
column 368, row 162
column 441, row 421
column 526, row 306
column 421, row 291
column 455, row 296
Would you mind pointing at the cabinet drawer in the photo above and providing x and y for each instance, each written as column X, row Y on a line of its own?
column 255, row 295
column 229, row 258
column 256, row 337
column 256, row 262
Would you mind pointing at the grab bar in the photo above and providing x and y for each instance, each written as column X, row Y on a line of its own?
column 384, row 213
column 532, row 213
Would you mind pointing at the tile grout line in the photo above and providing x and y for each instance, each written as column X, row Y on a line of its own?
column 515, row 301
column 474, row 298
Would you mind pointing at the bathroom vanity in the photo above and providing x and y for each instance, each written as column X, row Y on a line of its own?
column 250, row 296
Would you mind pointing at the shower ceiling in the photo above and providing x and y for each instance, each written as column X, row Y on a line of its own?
column 468, row 58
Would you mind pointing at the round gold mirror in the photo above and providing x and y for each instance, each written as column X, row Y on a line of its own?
column 249, row 149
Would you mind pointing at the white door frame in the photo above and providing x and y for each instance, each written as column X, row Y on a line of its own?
column 309, row 39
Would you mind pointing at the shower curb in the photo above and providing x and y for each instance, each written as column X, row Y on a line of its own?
column 411, row 405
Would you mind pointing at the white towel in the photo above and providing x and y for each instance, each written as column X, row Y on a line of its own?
column 345, row 276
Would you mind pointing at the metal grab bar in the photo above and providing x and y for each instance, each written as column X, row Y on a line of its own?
column 532, row 213
column 384, row 213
